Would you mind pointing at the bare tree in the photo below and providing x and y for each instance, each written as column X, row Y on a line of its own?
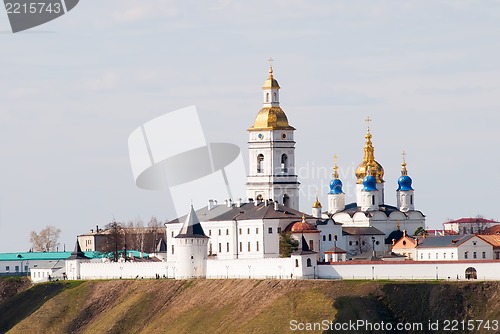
column 115, row 240
column 47, row 240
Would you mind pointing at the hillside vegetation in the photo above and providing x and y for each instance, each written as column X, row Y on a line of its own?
column 238, row 306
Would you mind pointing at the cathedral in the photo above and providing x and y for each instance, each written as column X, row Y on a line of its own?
column 253, row 229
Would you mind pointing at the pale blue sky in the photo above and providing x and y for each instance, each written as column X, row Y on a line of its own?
column 73, row 90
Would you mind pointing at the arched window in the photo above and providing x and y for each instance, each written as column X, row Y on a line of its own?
column 260, row 163
column 284, row 163
column 471, row 273
column 296, row 262
column 286, row 200
column 324, row 238
column 309, row 262
column 274, row 97
column 329, row 237
column 267, row 97
column 411, row 199
column 373, row 199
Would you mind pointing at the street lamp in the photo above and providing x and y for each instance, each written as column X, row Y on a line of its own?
column 227, row 272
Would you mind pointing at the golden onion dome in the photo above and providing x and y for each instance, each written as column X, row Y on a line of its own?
column 271, row 118
column 317, row 204
column 271, row 82
column 369, row 163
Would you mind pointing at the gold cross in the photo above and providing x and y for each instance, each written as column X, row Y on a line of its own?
column 368, row 120
column 270, row 60
column 404, row 156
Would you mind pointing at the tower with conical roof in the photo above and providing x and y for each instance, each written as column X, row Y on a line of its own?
column 191, row 249
column 369, row 162
column 271, row 149
column 405, row 191
column 73, row 262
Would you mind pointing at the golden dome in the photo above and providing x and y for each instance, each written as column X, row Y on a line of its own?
column 271, row 118
column 369, row 162
column 317, row 204
column 271, row 82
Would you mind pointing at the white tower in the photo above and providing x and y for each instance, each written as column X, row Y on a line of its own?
column 316, row 208
column 362, row 170
column 336, row 197
column 271, row 149
column 73, row 262
column 405, row 192
column 191, row 249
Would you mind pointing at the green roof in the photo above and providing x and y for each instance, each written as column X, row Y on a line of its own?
column 31, row 256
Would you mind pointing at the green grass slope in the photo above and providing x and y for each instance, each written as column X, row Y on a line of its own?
column 239, row 306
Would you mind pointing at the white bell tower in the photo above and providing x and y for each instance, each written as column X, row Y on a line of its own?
column 271, row 149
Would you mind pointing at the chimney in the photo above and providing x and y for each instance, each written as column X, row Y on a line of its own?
column 266, row 202
column 91, row 230
column 238, row 203
column 210, row 204
column 276, row 207
column 97, row 228
column 256, row 202
column 229, row 203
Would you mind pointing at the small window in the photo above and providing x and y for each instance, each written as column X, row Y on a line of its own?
column 227, row 247
column 172, row 234
column 279, row 229
column 357, row 243
column 324, row 238
column 209, row 233
column 241, row 246
column 444, row 255
column 421, row 256
column 249, row 246
column 296, row 262
column 227, row 231
column 267, row 97
column 429, row 256
column 260, row 163
column 362, row 243
column 411, row 199
column 350, row 243
column 474, row 255
column 270, row 230
column 172, row 249
column 240, row 231
column 484, row 255
column 451, row 255
column 220, row 247
column 248, row 230
column 437, row 256
column 256, row 230
column 309, row 262
column 7, row 268
column 311, row 245
column 257, row 246
column 466, row 255
column 219, row 232
column 373, row 200
column 474, row 243
column 329, row 237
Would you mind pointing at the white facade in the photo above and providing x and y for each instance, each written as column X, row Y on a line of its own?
column 472, row 249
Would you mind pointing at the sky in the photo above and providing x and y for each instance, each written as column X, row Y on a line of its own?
column 74, row 89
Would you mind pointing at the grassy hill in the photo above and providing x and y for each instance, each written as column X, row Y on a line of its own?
column 238, row 306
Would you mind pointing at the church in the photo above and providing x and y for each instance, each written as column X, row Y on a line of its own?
column 252, row 229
